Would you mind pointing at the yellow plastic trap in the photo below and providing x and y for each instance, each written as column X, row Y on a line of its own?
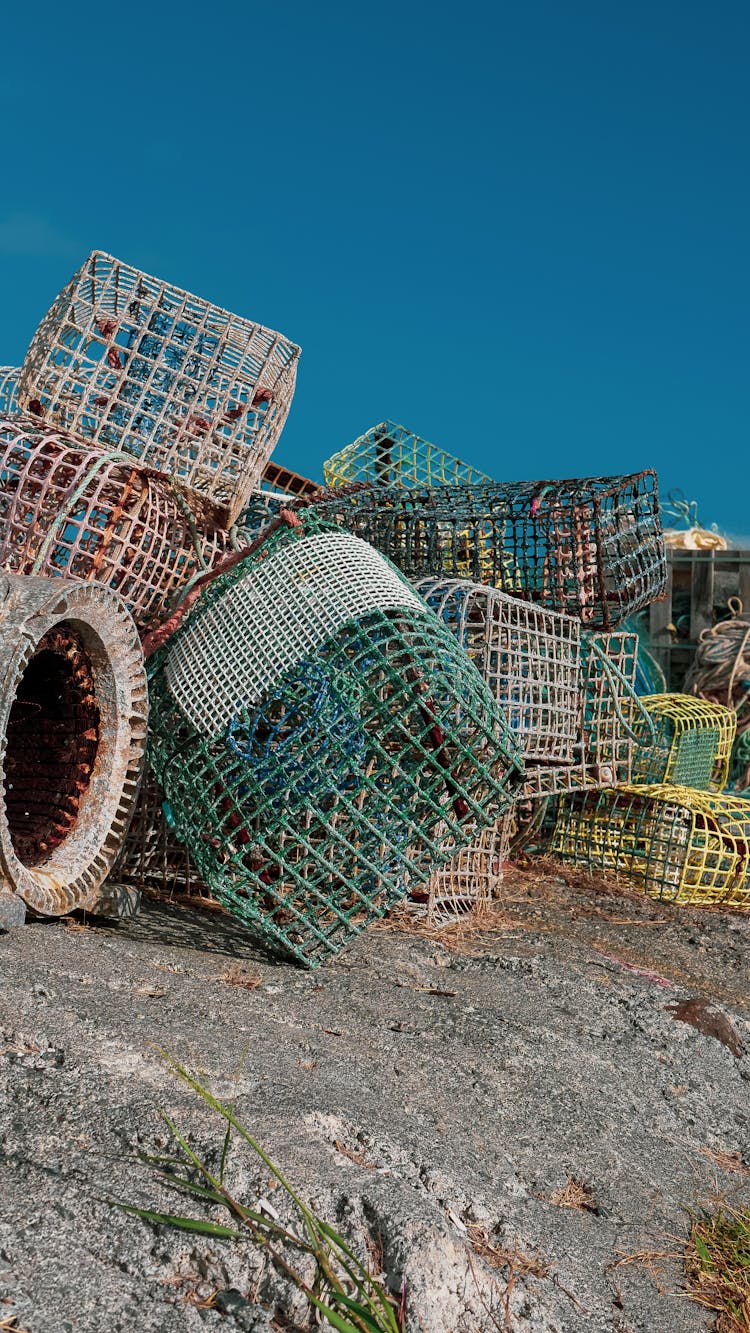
column 675, row 843
column 691, row 745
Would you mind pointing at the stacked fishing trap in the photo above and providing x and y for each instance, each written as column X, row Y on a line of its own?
column 358, row 695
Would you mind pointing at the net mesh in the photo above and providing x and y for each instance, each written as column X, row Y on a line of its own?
column 529, row 657
column 470, row 879
column 8, row 389
column 127, row 361
column 321, row 740
column 592, row 547
column 674, row 843
column 391, row 455
column 153, row 857
column 67, row 509
column 691, row 746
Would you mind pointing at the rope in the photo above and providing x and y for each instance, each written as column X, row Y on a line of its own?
column 190, row 520
column 722, row 662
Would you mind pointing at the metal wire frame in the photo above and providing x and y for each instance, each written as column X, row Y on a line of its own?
column 692, row 744
column 674, row 843
column 605, row 746
column 392, row 455
column 8, row 389
column 70, row 510
column 322, row 740
column 153, row 858
column 129, row 362
column 593, row 547
column 470, row 879
column 73, row 714
column 529, row 657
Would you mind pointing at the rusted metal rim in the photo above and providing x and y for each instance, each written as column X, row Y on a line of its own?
column 73, row 719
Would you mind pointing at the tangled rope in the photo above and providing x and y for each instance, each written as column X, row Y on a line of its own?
column 720, row 673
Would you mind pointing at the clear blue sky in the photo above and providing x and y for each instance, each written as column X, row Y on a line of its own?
column 520, row 229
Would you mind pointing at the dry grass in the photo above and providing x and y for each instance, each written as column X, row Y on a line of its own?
column 574, row 1194
column 726, row 1161
column 464, row 936
column 11, row 1325
column 517, row 1261
column 239, row 976
column 717, row 1265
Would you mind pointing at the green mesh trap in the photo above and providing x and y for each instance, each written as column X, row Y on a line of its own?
column 391, row 455
column 592, row 547
column 690, row 745
column 672, row 842
column 322, row 740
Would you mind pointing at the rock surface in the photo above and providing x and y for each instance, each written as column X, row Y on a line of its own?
column 432, row 1097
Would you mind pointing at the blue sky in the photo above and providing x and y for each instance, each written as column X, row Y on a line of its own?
column 519, row 229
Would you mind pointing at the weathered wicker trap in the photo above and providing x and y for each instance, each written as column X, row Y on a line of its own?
column 68, row 509
column 73, row 713
column 129, row 362
column 8, row 389
column 592, row 547
column 391, row 455
column 321, row 739
column 675, row 843
column 470, row 879
column 691, row 746
column 153, row 858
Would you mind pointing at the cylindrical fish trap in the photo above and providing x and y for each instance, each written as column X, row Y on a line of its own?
column 8, row 389
column 690, row 745
column 129, row 362
column 153, row 858
column 391, row 455
column 592, row 547
column 73, row 715
column 529, row 657
column 68, row 509
column 321, row 739
column 471, row 878
column 677, row 844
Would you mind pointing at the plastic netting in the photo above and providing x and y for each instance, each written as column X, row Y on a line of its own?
column 529, row 657
column 592, row 547
column 675, row 843
column 391, row 455
column 322, row 740
column 129, row 362
column 67, row 509
column 691, row 746
column 8, row 389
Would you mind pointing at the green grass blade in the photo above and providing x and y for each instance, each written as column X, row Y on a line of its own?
column 182, row 1223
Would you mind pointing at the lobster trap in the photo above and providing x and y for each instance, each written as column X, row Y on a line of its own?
column 469, row 880
column 674, row 843
column 690, row 744
column 67, row 509
column 153, row 858
column 529, row 657
column 322, row 740
column 8, row 389
column 592, row 548
column 393, row 456
column 129, row 362
column 73, row 715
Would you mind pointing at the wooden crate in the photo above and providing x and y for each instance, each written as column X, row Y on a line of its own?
column 699, row 587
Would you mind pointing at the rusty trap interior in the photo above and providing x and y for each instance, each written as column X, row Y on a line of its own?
column 51, row 745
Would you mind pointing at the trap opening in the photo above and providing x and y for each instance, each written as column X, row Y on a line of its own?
column 52, row 744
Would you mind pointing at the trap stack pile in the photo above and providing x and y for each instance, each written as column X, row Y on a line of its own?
column 533, row 579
